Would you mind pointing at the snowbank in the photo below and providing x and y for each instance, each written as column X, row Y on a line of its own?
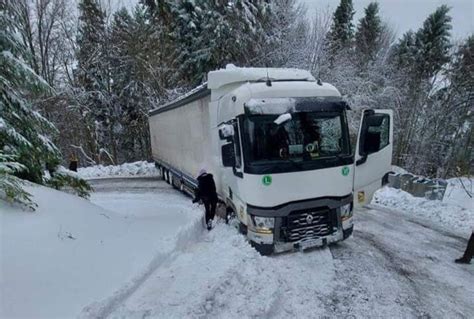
column 142, row 168
column 460, row 191
column 71, row 253
column 399, row 170
column 451, row 214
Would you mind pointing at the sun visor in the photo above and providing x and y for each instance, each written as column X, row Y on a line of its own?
column 295, row 104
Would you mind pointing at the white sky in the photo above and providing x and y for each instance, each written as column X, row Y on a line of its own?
column 403, row 15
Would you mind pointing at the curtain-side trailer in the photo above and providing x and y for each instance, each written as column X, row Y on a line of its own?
column 277, row 142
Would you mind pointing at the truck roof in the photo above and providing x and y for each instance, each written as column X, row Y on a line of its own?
column 233, row 74
column 196, row 93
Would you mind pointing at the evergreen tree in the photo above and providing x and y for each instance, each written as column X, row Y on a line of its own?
column 91, row 36
column 342, row 29
column 206, row 35
column 131, row 82
column 424, row 53
column 405, row 52
column 368, row 35
column 433, row 42
column 93, row 79
column 26, row 146
column 457, row 157
column 421, row 59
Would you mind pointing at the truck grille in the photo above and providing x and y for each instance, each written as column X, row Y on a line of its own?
column 308, row 224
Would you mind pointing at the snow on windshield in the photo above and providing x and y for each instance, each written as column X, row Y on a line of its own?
column 271, row 106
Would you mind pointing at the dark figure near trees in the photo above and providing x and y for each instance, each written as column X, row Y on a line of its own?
column 73, row 162
column 206, row 193
column 466, row 258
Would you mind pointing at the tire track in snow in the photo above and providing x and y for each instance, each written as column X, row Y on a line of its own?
column 421, row 258
column 103, row 309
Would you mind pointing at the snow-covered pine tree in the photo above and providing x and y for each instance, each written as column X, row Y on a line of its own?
column 26, row 148
column 420, row 58
column 368, row 35
column 91, row 34
column 130, row 60
column 93, row 79
column 434, row 42
column 342, row 30
column 451, row 122
column 206, row 35
column 285, row 35
column 403, row 54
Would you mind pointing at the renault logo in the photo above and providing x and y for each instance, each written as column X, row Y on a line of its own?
column 309, row 219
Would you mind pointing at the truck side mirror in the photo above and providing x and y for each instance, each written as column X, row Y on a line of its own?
column 228, row 155
column 226, row 131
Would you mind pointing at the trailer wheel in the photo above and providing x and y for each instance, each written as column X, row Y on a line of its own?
column 173, row 182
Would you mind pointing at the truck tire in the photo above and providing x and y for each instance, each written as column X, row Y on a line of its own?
column 229, row 214
column 263, row 249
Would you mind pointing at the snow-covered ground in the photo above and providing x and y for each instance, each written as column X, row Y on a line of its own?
column 71, row 253
column 455, row 212
column 141, row 168
column 139, row 251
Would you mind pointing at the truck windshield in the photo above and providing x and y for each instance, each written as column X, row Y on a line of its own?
column 309, row 140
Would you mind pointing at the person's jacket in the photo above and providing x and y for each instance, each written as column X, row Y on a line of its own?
column 206, row 190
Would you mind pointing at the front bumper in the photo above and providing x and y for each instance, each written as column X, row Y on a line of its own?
column 310, row 243
column 304, row 224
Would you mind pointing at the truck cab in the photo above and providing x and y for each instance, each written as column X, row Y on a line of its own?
column 287, row 169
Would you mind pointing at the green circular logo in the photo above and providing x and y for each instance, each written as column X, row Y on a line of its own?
column 267, row 180
column 345, row 170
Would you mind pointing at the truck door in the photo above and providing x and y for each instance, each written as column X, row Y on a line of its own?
column 373, row 154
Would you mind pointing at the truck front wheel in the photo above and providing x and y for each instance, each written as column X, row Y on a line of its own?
column 263, row 249
column 229, row 214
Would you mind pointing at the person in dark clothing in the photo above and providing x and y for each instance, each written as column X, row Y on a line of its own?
column 206, row 192
column 469, row 253
column 73, row 162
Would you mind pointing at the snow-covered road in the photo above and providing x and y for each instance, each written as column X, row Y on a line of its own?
column 391, row 267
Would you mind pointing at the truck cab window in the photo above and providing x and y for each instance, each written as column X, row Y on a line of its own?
column 308, row 136
column 377, row 134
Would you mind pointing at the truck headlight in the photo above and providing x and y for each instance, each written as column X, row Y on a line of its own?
column 263, row 224
column 346, row 211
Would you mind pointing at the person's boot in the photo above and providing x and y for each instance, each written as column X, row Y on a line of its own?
column 463, row 260
column 209, row 224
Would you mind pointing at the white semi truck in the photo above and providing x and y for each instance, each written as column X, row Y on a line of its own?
column 277, row 142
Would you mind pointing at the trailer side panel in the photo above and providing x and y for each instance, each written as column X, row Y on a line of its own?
column 180, row 137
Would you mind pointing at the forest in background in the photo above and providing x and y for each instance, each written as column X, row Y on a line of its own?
column 79, row 79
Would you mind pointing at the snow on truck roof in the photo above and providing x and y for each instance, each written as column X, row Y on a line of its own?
column 232, row 74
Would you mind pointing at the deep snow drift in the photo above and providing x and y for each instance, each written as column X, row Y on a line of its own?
column 141, row 168
column 71, row 253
